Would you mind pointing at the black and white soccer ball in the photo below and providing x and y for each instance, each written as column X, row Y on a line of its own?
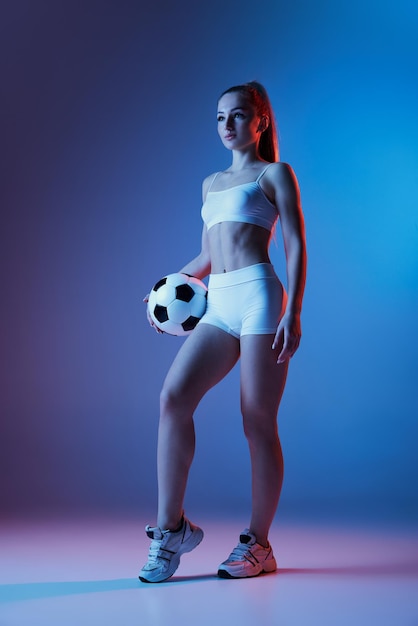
column 177, row 302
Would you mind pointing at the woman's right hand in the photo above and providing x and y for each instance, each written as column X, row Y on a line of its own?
column 149, row 318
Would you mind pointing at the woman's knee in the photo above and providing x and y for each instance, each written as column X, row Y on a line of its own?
column 260, row 424
column 169, row 399
column 174, row 400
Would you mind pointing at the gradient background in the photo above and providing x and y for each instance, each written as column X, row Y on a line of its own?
column 109, row 128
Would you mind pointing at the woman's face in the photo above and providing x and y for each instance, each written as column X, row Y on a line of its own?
column 238, row 122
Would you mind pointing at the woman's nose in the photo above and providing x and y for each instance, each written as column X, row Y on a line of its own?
column 229, row 122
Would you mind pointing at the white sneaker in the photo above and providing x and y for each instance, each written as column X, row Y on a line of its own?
column 248, row 559
column 166, row 548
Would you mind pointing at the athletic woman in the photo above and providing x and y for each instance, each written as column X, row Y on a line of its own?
column 249, row 317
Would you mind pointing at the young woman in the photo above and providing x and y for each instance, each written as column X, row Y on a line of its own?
column 249, row 317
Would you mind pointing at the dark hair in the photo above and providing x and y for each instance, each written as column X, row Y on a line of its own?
column 268, row 147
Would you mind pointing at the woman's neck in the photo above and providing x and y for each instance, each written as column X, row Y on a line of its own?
column 242, row 160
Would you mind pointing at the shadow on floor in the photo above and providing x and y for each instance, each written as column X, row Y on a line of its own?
column 34, row 591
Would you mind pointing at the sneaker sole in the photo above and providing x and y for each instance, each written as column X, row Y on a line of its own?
column 269, row 569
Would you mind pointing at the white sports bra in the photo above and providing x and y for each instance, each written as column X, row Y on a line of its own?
column 245, row 203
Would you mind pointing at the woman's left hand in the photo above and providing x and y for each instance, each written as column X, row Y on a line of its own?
column 149, row 318
column 288, row 333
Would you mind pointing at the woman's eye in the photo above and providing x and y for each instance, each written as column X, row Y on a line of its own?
column 220, row 118
column 238, row 115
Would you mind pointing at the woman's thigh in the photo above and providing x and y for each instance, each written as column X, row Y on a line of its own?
column 206, row 356
column 262, row 378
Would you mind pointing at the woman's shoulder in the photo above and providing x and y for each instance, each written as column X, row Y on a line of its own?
column 279, row 182
column 280, row 174
column 207, row 182
column 210, row 178
column 279, row 168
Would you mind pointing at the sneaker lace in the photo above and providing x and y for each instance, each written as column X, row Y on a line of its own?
column 240, row 551
column 154, row 550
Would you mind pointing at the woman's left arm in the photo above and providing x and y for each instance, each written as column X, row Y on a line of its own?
column 287, row 198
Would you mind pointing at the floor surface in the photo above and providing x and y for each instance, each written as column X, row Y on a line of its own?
column 79, row 573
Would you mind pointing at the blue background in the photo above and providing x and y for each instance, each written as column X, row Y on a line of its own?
column 109, row 127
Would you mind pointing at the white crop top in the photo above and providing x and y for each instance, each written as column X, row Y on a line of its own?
column 245, row 203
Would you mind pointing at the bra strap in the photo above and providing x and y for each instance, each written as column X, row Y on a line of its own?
column 263, row 172
column 212, row 181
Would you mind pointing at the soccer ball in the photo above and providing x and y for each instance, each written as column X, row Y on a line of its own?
column 176, row 303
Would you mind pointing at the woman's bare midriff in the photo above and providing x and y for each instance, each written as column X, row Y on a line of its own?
column 234, row 245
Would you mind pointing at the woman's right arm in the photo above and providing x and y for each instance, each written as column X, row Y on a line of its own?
column 200, row 266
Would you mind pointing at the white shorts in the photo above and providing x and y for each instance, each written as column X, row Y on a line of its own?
column 248, row 301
